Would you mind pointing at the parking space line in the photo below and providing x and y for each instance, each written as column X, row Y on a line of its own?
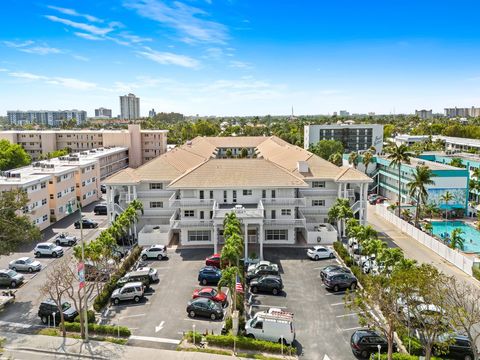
column 130, row 316
column 269, row 306
column 335, row 293
column 353, row 328
column 154, row 339
column 345, row 315
column 340, row 303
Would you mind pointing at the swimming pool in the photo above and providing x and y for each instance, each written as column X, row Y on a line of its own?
column 470, row 234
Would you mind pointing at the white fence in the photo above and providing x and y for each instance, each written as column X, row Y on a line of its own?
column 453, row 256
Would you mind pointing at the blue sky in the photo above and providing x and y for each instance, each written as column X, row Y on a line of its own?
column 240, row 57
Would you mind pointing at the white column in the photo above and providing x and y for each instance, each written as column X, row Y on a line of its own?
column 110, row 205
column 365, row 195
column 246, row 241
column 339, row 190
column 128, row 193
column 215, row 238
column 361, row 207
column 260, row 236
column 134, row 191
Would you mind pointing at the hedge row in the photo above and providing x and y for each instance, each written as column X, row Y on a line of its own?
column 90, row 317
column 103, row 297
column 476, row 272
column 246, row 343
column 99, row 329
column 399, row 356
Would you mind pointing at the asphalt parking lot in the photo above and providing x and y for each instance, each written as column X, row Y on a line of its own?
column 160, row 319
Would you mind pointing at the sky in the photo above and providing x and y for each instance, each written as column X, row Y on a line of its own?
column 240, row 57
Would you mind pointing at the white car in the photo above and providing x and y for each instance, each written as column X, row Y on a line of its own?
column 65, row 239
column 253, row 267
column 320, row 252
column 48, row 249
column 152, row 273
column 25, row 264
column 154, row 252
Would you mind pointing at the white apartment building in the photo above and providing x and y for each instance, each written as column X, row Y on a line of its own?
column 129, row 107
column 409, row 140
column 424, row 114
column 281, row 193
column 55, row 186
column 45, row 117
column 354, row 137
column 143, row 145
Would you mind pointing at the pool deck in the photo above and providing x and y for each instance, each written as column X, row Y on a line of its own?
column 413, row 249
column 467, row 221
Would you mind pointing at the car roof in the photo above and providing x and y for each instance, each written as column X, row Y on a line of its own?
column 214, row 255
column 366, row 332
column 207, row 289
column 45, row 243
column 271, row 276
column 316, row 247
column 209, row 268
column 24, row 258
column 132, row 284
column 138, row 272
column 4, row 270
column 202, row 299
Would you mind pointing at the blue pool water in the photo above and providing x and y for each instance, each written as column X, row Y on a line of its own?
column 470, row 234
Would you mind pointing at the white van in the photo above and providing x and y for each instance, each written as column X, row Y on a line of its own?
column 274, row 325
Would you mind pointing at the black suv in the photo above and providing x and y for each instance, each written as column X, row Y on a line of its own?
column 142, row 276
column 459, row 348
column 100, row 209
column 331, row 269
column 48, row 308
column 86, row 224
column 340, row 280
column 365, row 342
column 265, row 270
column 268, row 283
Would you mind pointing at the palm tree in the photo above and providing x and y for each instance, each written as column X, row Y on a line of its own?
column 353, row 159
column 352, row 227
column 340, row 212
column 431, row 209
column 373, row 247
column 422, row 177
column 428, row 227
column 229, row 279
column 397, row 156
column 446, row 198
column 367, row 160
column 336, row 159
column 406, row 215
column 456, row 240
column 365, row 233
column 457, row 162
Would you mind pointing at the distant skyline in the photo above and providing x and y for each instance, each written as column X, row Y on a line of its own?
column 232, row 57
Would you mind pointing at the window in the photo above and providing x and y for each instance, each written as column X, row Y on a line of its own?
column 273, row 194
column 202, row 194
column 318, row 202
column 318, row 184
column 59, row 195
column 156, row 204
column 44, row 201
column 211, row 194
column 274, row 214
column 225, row 196
column 199, row 235
column 234, row 195
column 50, row 181
column 58, row 179
column 156, row 186
column 83, row 183
column 43, row 185
column 276, row 235
column 264, row 194
column 189, row 213
column 286, row 212
column 45, row 217
column 202, row 215
column 51, row 196
column 247, row 192
column 72, row 189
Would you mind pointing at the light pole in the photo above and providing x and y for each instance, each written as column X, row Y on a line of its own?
column 53, row 319
column 379, row 348
column 193, row 337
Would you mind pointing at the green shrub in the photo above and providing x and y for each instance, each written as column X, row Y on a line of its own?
column 416, row 347
column 247, row 343
column 90, row 317
column 399, row 356
column 228, row 323
column 189, row 337
column 476, row 272
column 100, row 329
column 72, row 326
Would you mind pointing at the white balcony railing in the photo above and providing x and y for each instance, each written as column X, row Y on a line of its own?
column 181, row 202
column 286, row 222
column 155, row 193
column 192, row 223
column 318, row 192
column 158, row 212
column 300, row 202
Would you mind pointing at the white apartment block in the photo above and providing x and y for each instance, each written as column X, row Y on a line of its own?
column 45, row 117
column 462, row 112
column 143, row 145
column 129, row 107
column 281, row 193
column 55, row 187
column 354, row 137
column 424, row 114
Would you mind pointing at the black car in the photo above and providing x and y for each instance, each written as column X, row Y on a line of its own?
column 204, row 307
column 260, row 271
column 365, row 342
column 458, row 349
column 100, row 209
column 48, row 308
column 267, row 283
column 86, row 224
column 103, row 188
column 332, row 268
column 136, row 276
column 340, row 280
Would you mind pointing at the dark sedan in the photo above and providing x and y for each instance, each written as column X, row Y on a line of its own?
column 332, row 268
column 267, row 283
column 204, row 307
column 365, row 342
column 340, row 280
column 209, row 274
column 86, row 224
column 260, row 271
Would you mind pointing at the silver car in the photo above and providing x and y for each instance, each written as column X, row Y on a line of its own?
column 65, row 239
column 130, row 291
column 25, row 264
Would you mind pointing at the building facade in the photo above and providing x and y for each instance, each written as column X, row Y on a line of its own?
column 424, row 114
column 143, row 145
column 129, row 107
column 102, row 112
column 281, row 193
column 462, row 112
column 152, row 113
column 409, row 140
column 355, row 137
column 45, row 117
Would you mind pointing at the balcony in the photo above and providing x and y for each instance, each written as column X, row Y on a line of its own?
column 286, row 222
column 318, row 192
column 189, row 202
column 158, row 212
column 242, row 211
column 300, row 202
column 155, row 193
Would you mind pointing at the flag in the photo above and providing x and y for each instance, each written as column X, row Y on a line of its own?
column 81, row 274
column 238, row 285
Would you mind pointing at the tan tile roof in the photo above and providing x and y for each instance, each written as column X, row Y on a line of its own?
column 319, row 168
column 126, row 176
column 236, row 141
column 349, row 174
column 234, row 173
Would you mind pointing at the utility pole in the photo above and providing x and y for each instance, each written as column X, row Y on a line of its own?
column 82, row 276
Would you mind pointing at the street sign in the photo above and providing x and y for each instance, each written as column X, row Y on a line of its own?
column 81, row 274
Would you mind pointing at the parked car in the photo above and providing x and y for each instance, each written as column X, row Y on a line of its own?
column 364, row 342
column 135, row 276
column 274, row 325
column 130, row 291
column 152, row 273
column 48, row 308
column 86, row 224
column 100, row 209
column 48, row 249
column 154, row 252
column 380, row 200
column 209, row 274
column 204, row 307
column 267, row 283
column 258, row 264
column 372, row 196
column 65, row 239
column 10, row 278
column 25, row 264
column 212, row 294
column 320, row 252
column 340, row 280
column 459, row 347
column 103, row 188
column 271, row 269
column 213, row 260
column 332, row 268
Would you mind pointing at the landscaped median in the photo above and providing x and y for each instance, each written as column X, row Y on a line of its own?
column 115, row 334
column 224, row 344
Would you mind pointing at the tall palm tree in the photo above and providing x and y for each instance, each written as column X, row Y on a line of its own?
column 366, row 233
column 422, row 177
column 353, row 159
column 431, row 209
column 367, row 160
column 336, row 159
column 398, row 154
column 456, row 240
column 340, row 212
column 446, row 198
column 373, row 247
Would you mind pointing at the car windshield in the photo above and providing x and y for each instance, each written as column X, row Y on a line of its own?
column 66, row 306
column 213, row 292
column 211, row 304
column 151, row 271
column 28, row 261
column 52, row 246
column 11, row 273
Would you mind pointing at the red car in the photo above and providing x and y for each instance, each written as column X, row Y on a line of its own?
column 213, row 260
column 210, row 293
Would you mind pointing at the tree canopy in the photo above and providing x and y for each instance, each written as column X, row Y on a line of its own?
column 12, row 156
column 326, row 148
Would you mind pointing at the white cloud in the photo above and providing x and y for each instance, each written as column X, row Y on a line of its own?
column 29, row 47
column 73, row 12
column 187, row 20
column 70, row 83
column 135, row 38
column 92, row 29
column 3, row 70
column 89, row 36
column 27, row 75
column 168, row 58
column 80, row 57
column 239, row 64
column 17, row 45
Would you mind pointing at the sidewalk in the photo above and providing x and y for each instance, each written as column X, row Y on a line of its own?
column 413, row 249
column 21, row 346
